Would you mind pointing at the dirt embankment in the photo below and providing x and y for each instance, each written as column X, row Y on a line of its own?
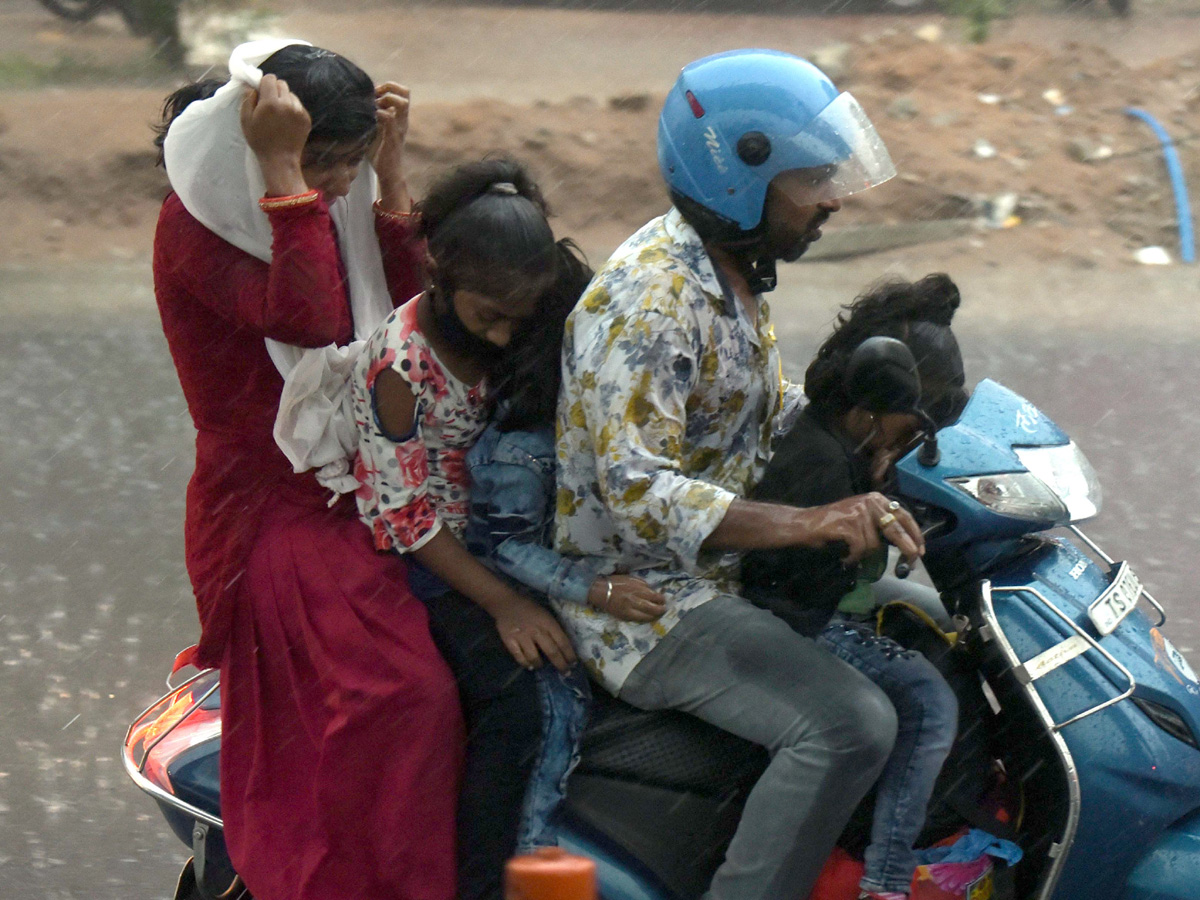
column 967, row 123
column 966, row 126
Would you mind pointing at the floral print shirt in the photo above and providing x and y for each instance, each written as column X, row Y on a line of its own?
column 665, row 416
column 412, row 485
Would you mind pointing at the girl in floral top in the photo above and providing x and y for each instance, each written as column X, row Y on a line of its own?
column 420, row 402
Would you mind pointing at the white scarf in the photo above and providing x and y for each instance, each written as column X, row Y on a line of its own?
column 218, row 179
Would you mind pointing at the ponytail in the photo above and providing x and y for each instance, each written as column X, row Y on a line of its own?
column 532, row 374
column 485, row 223
column 918, row 313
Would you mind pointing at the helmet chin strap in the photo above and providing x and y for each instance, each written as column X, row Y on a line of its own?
column 750, row 250
column 759, row 273
column 753, row 258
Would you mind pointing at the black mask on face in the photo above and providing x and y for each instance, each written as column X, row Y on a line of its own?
column 455, row 333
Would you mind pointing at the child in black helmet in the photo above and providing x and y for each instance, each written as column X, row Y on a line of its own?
column 838, row 449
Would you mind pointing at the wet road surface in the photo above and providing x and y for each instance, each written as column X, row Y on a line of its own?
column 97, row 448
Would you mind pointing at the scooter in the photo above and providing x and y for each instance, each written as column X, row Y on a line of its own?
column 1086, row 715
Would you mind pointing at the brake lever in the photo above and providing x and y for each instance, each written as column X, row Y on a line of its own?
column 903, row 567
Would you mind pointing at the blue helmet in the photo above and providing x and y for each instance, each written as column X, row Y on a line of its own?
column 736, row 120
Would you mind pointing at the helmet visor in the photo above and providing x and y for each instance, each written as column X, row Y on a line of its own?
column 839, row 153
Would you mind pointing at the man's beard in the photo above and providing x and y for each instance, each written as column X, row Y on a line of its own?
column 791, row 246
column 455, row 333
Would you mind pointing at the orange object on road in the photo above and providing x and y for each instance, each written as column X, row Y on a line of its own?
column 550, row 873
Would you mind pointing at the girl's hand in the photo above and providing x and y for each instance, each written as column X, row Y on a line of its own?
column 387, row 153
column 528, row 631
column 276, row 126
column 630, row 599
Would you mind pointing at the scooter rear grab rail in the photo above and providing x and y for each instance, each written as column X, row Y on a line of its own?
column 195, row 705
column 136, row 768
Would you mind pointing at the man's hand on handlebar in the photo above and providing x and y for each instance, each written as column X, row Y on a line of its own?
column 863, row 523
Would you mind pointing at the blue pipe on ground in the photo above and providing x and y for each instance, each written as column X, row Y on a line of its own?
column 1183, row 209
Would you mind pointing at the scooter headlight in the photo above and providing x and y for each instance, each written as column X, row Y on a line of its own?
column 1017, row 494
column 1066, row 471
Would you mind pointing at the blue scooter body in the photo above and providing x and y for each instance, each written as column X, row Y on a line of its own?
column 1133, row 780
column 1133, row 788
column 1117, row 715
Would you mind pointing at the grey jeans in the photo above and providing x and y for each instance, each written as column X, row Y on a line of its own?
column 827, row 728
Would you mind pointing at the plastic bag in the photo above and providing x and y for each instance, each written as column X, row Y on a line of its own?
column 963, row 870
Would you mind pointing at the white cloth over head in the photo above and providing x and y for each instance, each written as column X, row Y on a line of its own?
column 217, row 177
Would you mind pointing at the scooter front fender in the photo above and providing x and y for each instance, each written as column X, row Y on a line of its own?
column 1170, row 870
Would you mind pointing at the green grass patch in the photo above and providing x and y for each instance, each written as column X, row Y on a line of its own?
column 19, row 71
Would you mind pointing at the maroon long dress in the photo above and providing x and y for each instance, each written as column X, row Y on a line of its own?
column 342, row 734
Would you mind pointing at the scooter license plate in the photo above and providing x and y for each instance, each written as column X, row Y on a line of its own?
column 1117, row 601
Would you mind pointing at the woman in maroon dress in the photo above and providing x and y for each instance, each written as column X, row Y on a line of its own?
column 342, row 734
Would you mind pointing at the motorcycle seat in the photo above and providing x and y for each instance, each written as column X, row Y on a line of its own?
column 669, row 749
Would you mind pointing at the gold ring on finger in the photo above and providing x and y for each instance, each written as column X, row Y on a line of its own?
column 886, row 520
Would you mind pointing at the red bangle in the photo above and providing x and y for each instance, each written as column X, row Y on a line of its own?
column 270, row 204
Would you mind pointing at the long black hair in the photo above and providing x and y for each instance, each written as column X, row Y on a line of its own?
column 338, row 96
column 485, row 224
column 918, row 313
column 527, row 390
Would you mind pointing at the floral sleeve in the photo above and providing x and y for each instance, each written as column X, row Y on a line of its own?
column 393, row 470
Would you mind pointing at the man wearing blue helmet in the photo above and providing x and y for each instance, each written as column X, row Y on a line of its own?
column 749, row 139
column 671, row 393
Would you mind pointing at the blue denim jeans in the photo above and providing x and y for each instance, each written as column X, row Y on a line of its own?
column 927, row 717
column 565, row 699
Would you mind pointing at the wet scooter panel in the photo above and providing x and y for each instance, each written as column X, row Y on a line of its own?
column 981, row 442
column 1130, row 771
column 1171, row 868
